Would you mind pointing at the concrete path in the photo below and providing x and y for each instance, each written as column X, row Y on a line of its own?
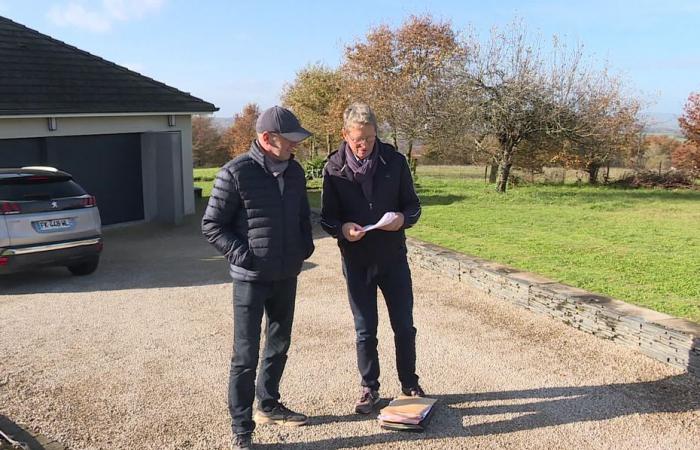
column 136, row 357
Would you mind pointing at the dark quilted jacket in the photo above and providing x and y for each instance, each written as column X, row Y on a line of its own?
column 264, row 235
column 343, row 201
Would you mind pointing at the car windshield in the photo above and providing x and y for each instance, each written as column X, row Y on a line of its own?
column 43, row 190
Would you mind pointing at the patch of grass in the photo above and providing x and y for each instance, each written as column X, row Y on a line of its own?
column 204, row 178
column 313, row 188
column 205, row 174
column 206, row 187
column 640, row 246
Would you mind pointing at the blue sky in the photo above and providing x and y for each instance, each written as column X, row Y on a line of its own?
column 235, row 52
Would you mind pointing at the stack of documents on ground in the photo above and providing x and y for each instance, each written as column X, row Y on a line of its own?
column 407, row 413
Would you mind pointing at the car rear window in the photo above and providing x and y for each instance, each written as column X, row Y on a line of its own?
column 40, row 190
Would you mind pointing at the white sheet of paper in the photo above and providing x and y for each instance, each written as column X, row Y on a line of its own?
column 386, row 218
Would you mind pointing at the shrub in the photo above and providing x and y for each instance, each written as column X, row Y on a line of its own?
column 670, row 180
column 314, row 167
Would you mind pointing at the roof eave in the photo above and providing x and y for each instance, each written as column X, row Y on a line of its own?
column 4, row 115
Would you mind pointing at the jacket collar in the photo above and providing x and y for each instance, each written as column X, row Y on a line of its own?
column 337, row 160
column 257, row 155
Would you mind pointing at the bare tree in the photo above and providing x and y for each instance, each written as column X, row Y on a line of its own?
column 603, row 124
column 510, row 94
column 513, row 91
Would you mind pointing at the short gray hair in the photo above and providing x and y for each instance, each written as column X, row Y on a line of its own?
column 359, row 114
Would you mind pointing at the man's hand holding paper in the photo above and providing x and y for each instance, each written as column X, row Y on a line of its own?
column 390, row 221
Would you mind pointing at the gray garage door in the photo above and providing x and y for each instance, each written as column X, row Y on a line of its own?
column 107, row 166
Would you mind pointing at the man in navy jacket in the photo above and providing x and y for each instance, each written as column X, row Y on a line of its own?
column 364, row 180
column 258, row 218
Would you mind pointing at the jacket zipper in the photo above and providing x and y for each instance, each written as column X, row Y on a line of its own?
column 284, row 216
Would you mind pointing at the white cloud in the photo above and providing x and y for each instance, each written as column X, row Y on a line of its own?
column 75, row 15
column 131, row 9
column 81, row 14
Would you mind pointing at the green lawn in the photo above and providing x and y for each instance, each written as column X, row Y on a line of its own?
column 641, row 246
column 203, row 178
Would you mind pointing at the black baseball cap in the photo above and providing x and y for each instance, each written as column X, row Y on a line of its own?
column 283, row 122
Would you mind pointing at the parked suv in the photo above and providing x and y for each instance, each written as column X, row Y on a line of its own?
column 47, row 219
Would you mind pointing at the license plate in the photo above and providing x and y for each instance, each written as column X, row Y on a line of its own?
column 53, row 225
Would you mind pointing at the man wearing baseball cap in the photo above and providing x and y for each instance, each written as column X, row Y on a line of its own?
column 258, row 218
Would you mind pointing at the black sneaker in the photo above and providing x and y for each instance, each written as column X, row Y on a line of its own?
column 280, row 415
column 367, row 401
column 415, row 391
column 241, row 441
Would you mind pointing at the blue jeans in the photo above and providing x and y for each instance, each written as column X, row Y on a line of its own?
column 394, row 279
column 250, row 300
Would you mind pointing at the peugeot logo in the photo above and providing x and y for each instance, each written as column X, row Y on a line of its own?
column 54, row 205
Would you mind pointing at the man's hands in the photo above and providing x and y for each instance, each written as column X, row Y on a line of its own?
column 352, row 231
column 394, row 225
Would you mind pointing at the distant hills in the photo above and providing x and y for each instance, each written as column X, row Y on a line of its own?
column 657, row 123
column 662, row 123
column 221, row 123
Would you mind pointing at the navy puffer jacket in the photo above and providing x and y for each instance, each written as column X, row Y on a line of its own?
column 344, row 201
column 265, row 235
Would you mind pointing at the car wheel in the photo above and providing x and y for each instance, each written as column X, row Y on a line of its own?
column 84, row 268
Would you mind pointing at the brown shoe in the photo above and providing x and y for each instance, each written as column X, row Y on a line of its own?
column 280, row 415
column 367, row 401
column 415, row 391
column 241, row 441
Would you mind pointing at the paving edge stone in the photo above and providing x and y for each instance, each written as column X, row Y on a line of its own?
column 665, row 338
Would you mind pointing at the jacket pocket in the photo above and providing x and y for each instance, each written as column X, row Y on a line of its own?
column 243, row 259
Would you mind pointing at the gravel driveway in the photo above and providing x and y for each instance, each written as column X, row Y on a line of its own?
column 136, row 357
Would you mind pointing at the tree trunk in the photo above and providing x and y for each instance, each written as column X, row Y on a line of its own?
column 328, row 143
column 409, row 155
column 395, row 138
column 506, row 162
column 493, row 174
column 593, row 170
column 503, row 174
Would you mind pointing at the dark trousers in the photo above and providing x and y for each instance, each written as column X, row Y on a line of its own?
column 250, row 300
column 394, row 279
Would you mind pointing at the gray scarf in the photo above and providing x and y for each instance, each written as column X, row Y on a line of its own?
column 363, row 172
column 277, row 168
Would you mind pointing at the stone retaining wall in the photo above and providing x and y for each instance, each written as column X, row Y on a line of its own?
column 660, row 336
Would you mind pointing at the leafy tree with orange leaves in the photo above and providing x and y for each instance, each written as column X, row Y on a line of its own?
column 317, row 96
column 404, row 75
column 657, row 151
column 207, row 149
column 690, row 119
column 688, row 156
column 238, row 137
